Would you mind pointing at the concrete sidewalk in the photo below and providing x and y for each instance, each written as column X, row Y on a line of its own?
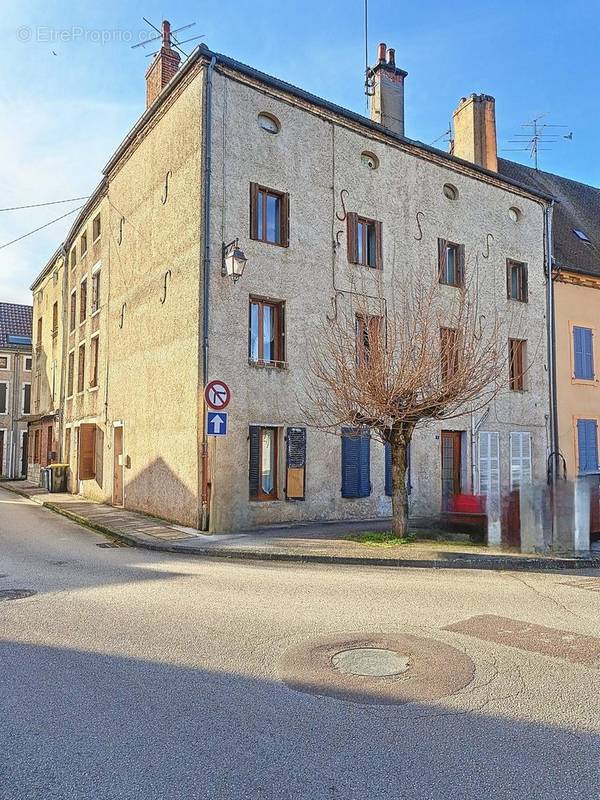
column 317, row 543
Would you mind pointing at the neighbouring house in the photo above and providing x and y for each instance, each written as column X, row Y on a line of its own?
column 320, row 200
column 48, row 366
column 15, row 387
column 576, row 272
column 575, row 248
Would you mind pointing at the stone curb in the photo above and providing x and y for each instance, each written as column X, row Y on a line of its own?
column 503, row 563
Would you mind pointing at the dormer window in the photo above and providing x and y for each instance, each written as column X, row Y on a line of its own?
column 581, row 235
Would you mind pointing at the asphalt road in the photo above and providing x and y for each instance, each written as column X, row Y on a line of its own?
column 131, row 674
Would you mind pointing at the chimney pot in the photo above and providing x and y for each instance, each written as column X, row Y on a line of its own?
column 386, row 104
column 163, row 67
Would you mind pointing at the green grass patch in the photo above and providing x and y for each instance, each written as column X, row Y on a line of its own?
column 387, row 538
column 381, row 538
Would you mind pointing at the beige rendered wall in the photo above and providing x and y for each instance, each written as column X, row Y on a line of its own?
column 153, row 357
column 314, row 160
column 577, row 303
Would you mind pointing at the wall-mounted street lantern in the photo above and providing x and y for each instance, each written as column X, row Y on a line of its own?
column 234, row 261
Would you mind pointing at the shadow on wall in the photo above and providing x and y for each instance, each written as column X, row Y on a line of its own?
column 127, row 727
column 158, row 491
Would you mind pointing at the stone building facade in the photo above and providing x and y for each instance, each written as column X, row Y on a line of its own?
column 15, row 387
column 225, row 153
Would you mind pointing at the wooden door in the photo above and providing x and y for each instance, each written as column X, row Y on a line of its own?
column 118, row 466
column 24, row 446
column 451, row 467
column 2, row 453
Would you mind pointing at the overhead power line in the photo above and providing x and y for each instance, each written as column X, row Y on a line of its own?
column 38, row 205
column 35, row 230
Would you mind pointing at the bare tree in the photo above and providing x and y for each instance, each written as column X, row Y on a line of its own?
column 430, row 356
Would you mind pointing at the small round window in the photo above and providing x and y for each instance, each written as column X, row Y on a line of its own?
column 370, row 160
column 450, row 191
column 269, row 123
column 514, row 213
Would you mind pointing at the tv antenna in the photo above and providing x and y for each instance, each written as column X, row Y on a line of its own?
column 167, row 36
column 540, row 135
column 369, row 82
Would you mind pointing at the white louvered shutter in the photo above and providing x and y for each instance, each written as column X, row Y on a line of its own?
column 489, row 463
column 520, row 458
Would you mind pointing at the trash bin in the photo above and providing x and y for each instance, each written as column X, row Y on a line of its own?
column 45, row 478
column 58, row 477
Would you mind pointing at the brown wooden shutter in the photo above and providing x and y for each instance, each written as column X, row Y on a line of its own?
column 284, row 224
column 461, row 265
column 254, row 461
column 254, row 210
column 87, row 452
column 99, row 457
column 379, row 245
column 296, row 464
column 352, row 231
column 442, row 259
column 508, row 279
column 525, row 286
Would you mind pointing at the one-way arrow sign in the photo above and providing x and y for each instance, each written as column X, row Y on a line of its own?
column 216, row 423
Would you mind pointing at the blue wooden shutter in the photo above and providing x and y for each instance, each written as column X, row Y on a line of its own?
column 388, row 470
column 587, row 445
column 356, row 463
column 583, row 352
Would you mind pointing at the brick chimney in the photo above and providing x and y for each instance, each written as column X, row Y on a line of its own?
column 163, row 67
column 387, row 100
column 474, row 123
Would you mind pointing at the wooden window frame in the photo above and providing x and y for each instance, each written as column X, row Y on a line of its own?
column 24, row 390
column 522, row 283
column 39, row 332
column 283, row 198
column 73, row 311
column 83, row 300
column 579, row 380
column 81, row 368
column 443, row 246
column 353, row 221
column 7, row 365
column 4, row 411
column 96, row 224
column 83, row 246
column 55, row 320
column 70, row 373
column 30, row 367
column 73, row 262
column 449, row 353
column 260, row 494
column 517, row 366
column 279, row 306
column 96, row 284
column 365, row 326
column 94, row 350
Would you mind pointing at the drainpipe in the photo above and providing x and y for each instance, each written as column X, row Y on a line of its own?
column 554, row 442
column 207, row 169
column 550, row 310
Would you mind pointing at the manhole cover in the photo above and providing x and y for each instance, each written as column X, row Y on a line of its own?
column 15, row 594
column 388, row 669
column 370, row 661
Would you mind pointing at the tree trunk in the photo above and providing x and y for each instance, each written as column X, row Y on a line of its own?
column 399, row 449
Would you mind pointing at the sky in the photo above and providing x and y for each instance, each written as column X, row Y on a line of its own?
column 71, row 85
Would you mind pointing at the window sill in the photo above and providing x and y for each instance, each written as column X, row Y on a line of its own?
column 273, row 244
column 517, row 300
column 268, row 364
column 265, row 500
column 452, row 285
column 94, row 313
column 584, row 381
column 81, row 393
column 93, row 388
column 97, row 239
